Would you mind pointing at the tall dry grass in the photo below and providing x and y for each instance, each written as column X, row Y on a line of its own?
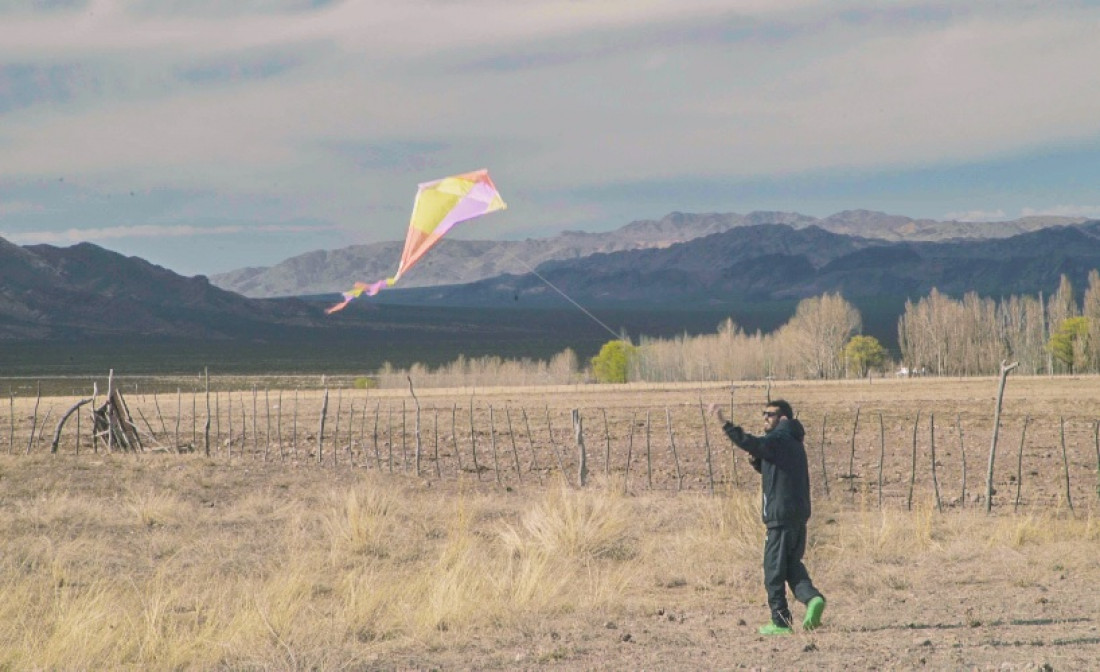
column 185, row 562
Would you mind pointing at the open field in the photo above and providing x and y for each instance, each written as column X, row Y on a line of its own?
column 262, row 556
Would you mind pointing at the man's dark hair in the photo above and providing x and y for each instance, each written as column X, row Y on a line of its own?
column 784, row 408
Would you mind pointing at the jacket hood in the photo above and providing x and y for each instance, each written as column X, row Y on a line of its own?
column 792, row 427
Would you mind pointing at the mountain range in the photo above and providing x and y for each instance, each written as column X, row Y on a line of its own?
column 463, row 261
column 86, row 291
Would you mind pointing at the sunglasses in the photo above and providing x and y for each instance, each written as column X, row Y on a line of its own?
column 771, row 414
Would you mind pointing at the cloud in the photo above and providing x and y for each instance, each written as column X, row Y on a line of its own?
column 1087, row 211
column 976, row 216
column 334, row 110
column 155, row 231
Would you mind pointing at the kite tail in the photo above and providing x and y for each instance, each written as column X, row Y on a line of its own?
column 357, row 290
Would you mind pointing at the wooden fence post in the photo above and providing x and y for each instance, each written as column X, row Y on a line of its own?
column 61, row 423
column 648, row 455
column 1005, row 369
column 435, row 440
column 531, row 442
column 1096, row 444
column 706, row 441
column 672, row 447
column 881, row 455
column 913, row 469
column 267, row 423
column 389, row 436
column 34, row 422
column 454, row 440
column 515, row 451
column 336, row 428
column 962, row 453
column 824, row 473
column 1020, row 465
column 1065, row 461
column 416, row 428
column 473, row 440
column 321, row 428
column 578, row 437
column 554, row 446
column 179, row 416
column 255, row 423
column 206, row 427
column 932, row 449
column 629, row 452
column 607, row 444
column 852, row 454
column 493, row 444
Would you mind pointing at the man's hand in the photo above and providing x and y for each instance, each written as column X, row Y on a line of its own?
column 716, row 411
column 736, row 434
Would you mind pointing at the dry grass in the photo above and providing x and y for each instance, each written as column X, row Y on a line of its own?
column 180, row 561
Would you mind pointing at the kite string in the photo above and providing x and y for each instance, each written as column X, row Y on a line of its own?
column 618, row 337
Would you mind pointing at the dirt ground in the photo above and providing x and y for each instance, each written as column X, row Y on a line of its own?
column 934, row 582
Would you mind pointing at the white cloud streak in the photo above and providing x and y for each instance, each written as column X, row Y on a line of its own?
column 75, row 235
column 1089, row 211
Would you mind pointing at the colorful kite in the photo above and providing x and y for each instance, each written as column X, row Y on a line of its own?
column 439, row 205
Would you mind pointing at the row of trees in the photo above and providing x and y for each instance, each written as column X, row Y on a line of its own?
column 937, row 335
column 972, row 335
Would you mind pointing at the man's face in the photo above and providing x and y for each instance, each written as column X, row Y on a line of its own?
column 771, row 418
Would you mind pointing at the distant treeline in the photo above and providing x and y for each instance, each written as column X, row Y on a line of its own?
column 937, row 335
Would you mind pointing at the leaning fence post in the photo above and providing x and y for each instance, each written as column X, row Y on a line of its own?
column 435, row 440
column 578, row 435
column 1005, row 369
column 336, row 428
column 824, row 474
column 962, row 453
column 531, row 442
column 321, row 429
column 515, row 451
column 881, row 455
column 206, row 427
column 417, row 425
column 932, row 449
column 852, row 454
column 629, row 452
column 672, row 447
column 473, row 440
column 1096, row 444
column 1065, row 460
column 61, row 424
column 648, row 455
column 454, row 440
column 706, row 442
column 607, row 444
column 11, row 431
column 1020, row 464
column 913, row 468
column 34, row 423
column 554, row 446
column 493, row 444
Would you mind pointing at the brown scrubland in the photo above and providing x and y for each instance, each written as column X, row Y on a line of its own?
column 269, row 547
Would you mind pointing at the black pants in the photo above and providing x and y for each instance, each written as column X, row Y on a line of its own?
column 783, row 550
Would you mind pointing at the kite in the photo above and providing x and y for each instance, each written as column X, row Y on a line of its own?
column 439, row 205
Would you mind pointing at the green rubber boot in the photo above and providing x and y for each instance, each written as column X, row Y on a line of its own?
column 814, row 609
column 773, row 629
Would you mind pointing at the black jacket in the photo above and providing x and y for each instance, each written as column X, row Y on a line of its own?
column 780, row 458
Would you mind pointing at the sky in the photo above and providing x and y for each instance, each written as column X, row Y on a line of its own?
column 208, row 135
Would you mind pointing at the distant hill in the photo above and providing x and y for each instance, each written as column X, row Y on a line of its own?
column 463, row 261
column 47, row 292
